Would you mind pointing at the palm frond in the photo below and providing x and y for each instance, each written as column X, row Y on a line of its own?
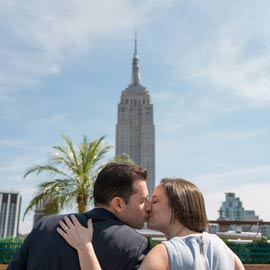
column 66, row 162
column 45, row 168
column 72, row 171
column 38, row 199
column 58, row 190
column 95, row 153
column 72, row 150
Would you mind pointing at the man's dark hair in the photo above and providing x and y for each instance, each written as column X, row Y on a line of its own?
column 116, row 180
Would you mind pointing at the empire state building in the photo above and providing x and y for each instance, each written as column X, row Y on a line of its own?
column 135, row 130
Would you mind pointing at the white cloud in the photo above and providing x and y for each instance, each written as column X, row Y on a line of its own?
column 239, row 62
column 236, row 135
column 248, row 79
column 59, row 119
column 12, row 143
column 222, row 47
column 250, row 185
column 178, row 110
column 15, row 166
column 37, row 37
column 190, row 109
column 236, row 178
column 24, row 155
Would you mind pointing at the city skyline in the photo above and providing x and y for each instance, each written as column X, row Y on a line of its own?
column 205, row 63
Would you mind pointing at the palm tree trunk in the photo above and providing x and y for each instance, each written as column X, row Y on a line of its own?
column 82, row 203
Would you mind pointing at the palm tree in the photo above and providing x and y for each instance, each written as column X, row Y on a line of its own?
column 72, row 173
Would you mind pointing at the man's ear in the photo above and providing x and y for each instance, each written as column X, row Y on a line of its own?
column 117, row 203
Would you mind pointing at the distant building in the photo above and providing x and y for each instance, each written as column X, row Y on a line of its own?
column 265, row 230
column 10, row 207
column 232, row 209
column 250, row 215
column 213, row 228
column 39, row 211
column 135, row 130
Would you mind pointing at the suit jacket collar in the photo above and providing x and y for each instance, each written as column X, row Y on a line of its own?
column 101, row 214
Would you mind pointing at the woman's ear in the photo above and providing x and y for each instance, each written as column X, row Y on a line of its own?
column 117, row 204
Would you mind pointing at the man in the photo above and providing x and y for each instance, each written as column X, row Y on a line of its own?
column 121, row 200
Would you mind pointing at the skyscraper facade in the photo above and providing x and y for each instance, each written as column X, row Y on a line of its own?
column 10, row 205
column 39, row 210
column 232, row 209
column 135, row 130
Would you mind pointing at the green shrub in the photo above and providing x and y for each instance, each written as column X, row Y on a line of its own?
column 8, row 248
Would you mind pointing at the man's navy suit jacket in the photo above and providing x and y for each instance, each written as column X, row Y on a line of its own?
column 118, row 247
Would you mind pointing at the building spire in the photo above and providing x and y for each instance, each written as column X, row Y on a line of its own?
column 135, row 45
column 135, row 78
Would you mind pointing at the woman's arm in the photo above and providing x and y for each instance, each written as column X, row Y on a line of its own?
column 80, row 238
column 156, row 259
column 237, row 262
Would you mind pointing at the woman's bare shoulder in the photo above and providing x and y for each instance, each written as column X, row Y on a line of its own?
column 156, row 259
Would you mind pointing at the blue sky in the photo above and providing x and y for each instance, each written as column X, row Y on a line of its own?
column 205, row 63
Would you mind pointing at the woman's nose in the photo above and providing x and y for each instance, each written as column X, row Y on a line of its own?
column 148, row 206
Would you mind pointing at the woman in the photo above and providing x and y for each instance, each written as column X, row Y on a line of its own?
column 178, row 211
